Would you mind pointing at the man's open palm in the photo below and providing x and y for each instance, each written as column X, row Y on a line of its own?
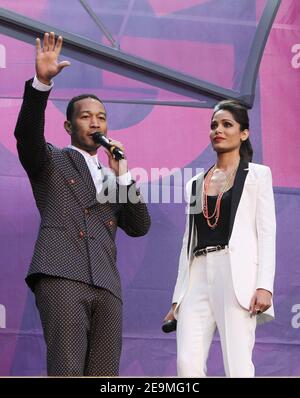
column 47, row 65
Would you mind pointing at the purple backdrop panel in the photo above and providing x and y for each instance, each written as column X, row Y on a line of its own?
column 280, row 97
column 148, row 265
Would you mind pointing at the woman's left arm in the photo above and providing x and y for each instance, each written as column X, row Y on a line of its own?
column 261, row 301
column 266, row 233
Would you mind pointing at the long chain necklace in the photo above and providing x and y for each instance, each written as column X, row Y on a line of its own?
column 217, row 211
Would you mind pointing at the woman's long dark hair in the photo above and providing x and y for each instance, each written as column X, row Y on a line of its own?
column 240, row 115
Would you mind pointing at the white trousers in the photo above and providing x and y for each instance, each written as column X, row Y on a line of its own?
column 210, row 302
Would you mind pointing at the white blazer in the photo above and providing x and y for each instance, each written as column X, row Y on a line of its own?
column 252, row 235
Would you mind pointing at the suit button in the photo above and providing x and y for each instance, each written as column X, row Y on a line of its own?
column 86, row 211
column 81, row 234
column 72, row 181
column 110, row 223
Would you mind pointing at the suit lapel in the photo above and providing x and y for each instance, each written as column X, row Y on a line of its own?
column 109, row 179
column 195, row 206
column 191, row 214
column 237, row 191
column 236, row 196
column 109, row 187
column 79, row 178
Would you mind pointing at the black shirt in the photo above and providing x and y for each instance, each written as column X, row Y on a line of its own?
column 219, row 235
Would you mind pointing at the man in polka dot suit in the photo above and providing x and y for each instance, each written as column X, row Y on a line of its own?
column 73, row 271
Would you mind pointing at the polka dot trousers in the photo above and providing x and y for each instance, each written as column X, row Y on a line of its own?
column 82, row 327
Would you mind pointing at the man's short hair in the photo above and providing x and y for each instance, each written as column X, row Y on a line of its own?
column 70, row 107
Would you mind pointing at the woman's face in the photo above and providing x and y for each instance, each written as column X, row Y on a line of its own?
column 225, row 132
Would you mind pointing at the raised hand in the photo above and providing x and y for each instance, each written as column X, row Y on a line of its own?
column 46, row 64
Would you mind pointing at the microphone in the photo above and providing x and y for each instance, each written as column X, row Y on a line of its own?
column 169, row 326
column 104, row 141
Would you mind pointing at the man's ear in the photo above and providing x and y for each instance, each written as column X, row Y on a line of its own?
column 244, row 135
column 68, row 127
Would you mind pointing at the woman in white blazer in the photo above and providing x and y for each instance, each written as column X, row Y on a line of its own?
column 227, row 262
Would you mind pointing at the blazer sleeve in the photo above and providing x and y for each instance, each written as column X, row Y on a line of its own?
column 33, row 151
column 182, row 263
column 133, row 215
column 183, row 258
column 266, row 232
column 194, row 206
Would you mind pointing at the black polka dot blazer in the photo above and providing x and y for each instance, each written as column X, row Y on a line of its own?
column 76, row 238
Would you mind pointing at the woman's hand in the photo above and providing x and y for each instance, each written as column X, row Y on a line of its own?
column 170, row 315
column 260, row 302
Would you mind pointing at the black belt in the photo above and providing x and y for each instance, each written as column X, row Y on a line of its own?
column 206, row 250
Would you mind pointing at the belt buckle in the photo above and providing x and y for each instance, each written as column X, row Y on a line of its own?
column 206, row 250
column 200, row 252
column 213, row 249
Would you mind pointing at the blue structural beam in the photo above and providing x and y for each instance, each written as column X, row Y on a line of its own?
column 204, row 94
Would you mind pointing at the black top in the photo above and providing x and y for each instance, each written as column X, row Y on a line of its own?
column 219, row 235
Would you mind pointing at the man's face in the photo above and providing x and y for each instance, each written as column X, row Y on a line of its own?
column 89, row 116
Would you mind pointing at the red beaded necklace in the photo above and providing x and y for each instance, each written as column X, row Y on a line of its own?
column 217, row 211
